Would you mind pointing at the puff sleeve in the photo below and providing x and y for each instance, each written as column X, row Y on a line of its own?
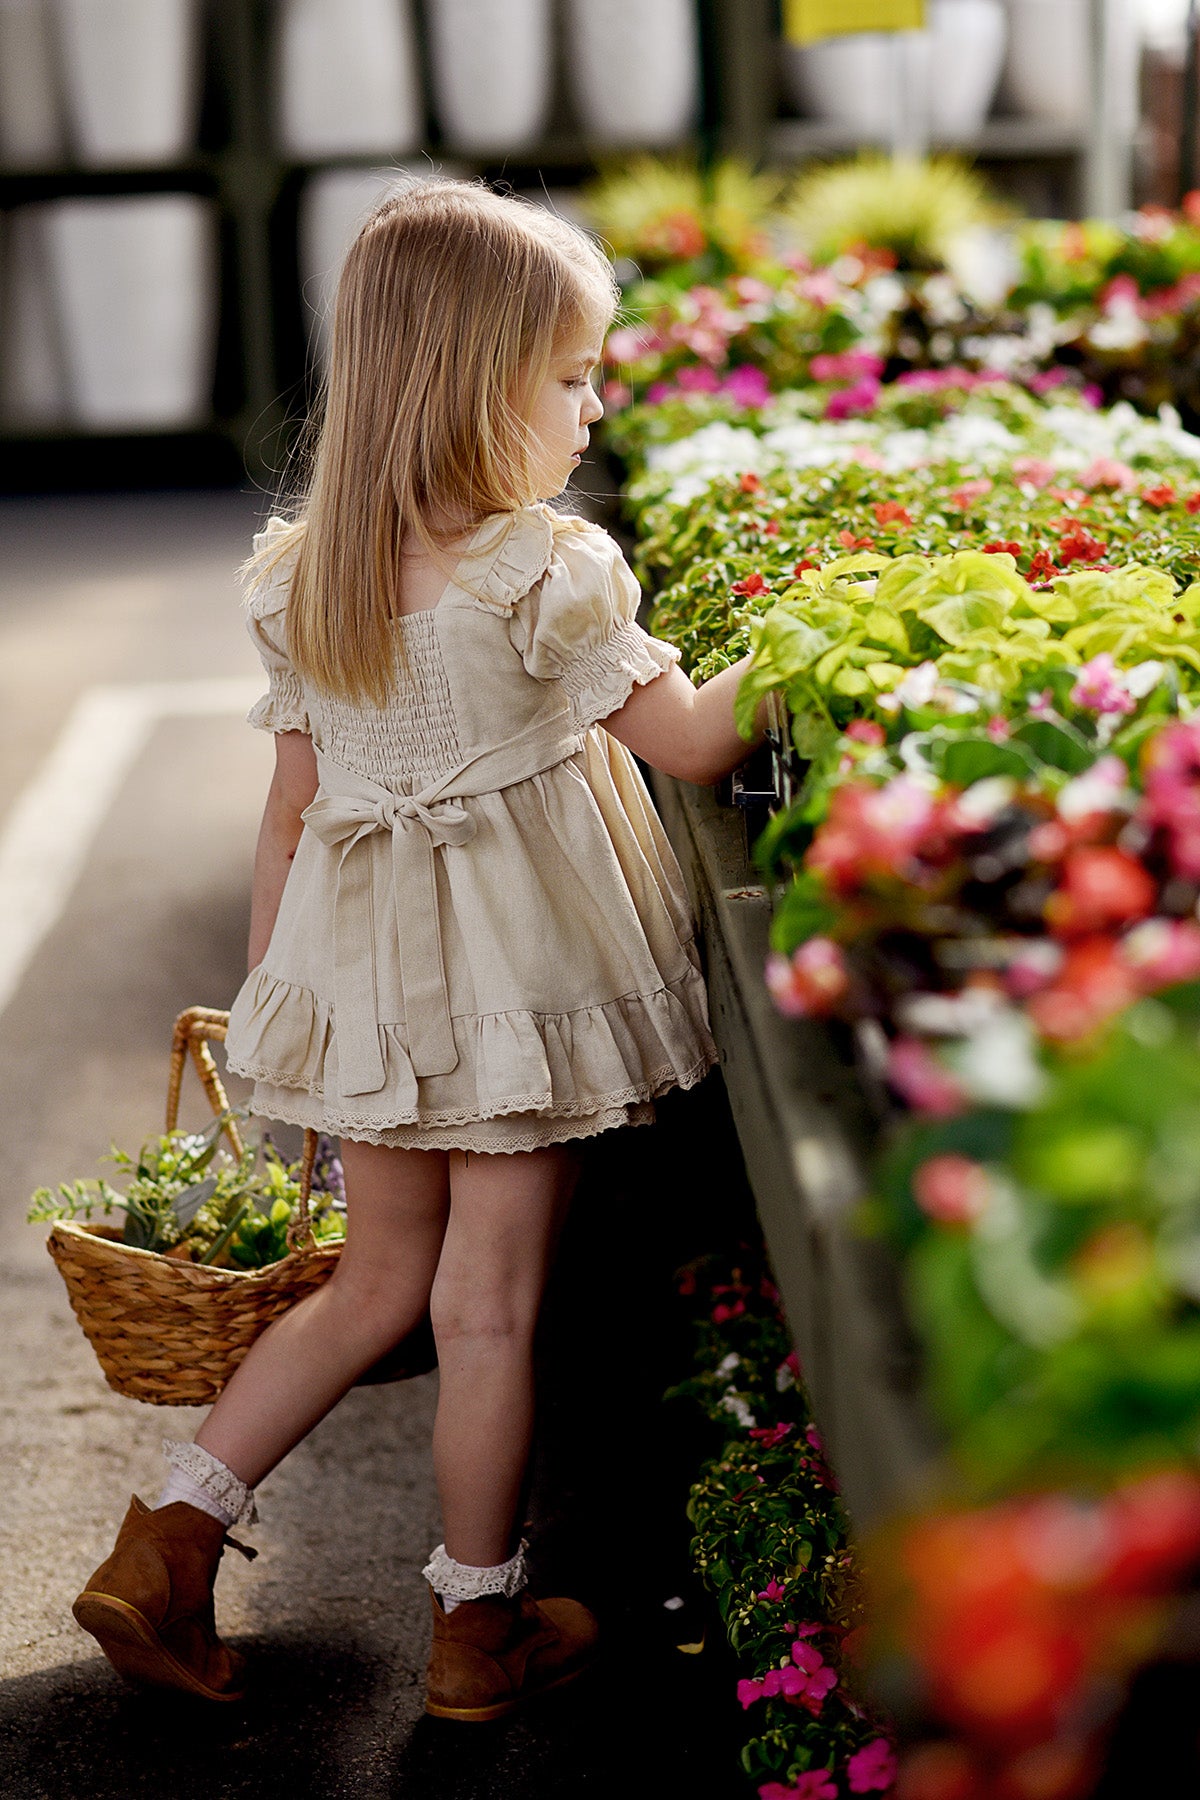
column 578, row 625
column 283, row 706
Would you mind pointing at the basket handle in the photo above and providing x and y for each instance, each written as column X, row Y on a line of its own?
column 193, row 1029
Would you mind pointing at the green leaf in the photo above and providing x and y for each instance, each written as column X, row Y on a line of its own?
column 1058, row 745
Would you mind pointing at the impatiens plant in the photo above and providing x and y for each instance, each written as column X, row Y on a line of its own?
column 770, row 1542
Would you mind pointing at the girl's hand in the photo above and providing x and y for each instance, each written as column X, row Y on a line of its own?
column 686, row 731
column 293, row 787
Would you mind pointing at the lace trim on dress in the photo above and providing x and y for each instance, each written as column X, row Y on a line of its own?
column 213, row 1478
column 462, row 1581
column 481, row 1137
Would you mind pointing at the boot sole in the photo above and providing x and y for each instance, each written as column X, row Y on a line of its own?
column 135, row 1650
column 499, row 1709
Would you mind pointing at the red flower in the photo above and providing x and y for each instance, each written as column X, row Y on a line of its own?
column 772, row 527
column 809, row 983
column 890, row 512
column 806, row 562
column 1192, row 502
column 1078, row 545
column 848, row 539
column 1099, row 887
column 769, row 1436
column 994, row 549
column 752, row 584
column 750, row 483
column 865, row 731
column 1043, row 567
column 1162, row 495
column 1094, row 982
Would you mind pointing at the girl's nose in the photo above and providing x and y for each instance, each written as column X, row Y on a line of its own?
column 594, row 408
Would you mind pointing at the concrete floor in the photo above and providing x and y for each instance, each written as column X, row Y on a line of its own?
column 333, row 1612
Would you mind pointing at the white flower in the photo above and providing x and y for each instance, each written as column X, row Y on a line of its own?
column 1102, row 788
column 997, row 1064
column 733, row 1402
column 729, row 1363
column 915, row 690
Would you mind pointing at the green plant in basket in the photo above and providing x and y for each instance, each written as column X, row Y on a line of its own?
column 188, row 1198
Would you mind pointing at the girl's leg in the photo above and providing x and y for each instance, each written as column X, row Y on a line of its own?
column 397, row 1203
column 505, row 1216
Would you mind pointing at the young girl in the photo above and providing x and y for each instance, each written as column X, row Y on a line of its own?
column 470, row 947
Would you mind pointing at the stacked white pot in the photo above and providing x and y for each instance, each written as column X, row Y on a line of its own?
column 634, row 70
column 860, row 81
column 347, row 79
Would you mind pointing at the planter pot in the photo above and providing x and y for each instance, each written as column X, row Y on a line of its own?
column 347, row 79
column 135, row 288
column 33, row 380
column 861, row 82
column 332, row 208
column 492, row 68
column 131, row 70
column 634, row 70
column 31, row 130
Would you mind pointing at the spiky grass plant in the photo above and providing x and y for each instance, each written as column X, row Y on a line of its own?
column 912, row 207
column 657, row 212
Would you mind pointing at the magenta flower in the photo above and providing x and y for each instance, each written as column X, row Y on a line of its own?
column 697, row 379
column 848, row 402
column 771, row 1435
column 747, row 386
column 1100, row 688
column 873, row 1768
column 846, row 365
column 748, row 1692
column 812, row 1438
column 815, row 1784
column 658, row 391
column 772, row 1591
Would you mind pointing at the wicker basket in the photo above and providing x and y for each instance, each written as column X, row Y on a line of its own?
column 172, row 1332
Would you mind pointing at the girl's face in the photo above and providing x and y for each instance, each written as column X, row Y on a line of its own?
column 562, row 408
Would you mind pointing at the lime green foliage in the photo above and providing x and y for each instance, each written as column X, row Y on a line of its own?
column 1062, row 1327
column 671, row 216
column 912, row 208
column 187, row 1195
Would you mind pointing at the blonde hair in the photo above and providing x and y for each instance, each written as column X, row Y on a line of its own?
column 452, row 303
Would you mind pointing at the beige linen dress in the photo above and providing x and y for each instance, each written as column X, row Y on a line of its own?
column 484, row 941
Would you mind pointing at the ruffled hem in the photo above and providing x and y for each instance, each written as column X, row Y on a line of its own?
column 601, row 680
column 568, row 1065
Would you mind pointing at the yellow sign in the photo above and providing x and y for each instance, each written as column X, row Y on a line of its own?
column 804, row 21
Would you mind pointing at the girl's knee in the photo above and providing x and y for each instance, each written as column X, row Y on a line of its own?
column 462, row 1313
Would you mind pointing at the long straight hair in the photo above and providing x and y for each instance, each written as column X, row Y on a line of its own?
column 452, row 304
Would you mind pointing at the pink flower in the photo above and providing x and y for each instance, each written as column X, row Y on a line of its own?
column 1100, row 688
column 997, row 729
column 617, row 395
column 1163, row 951
column 723, row 1311
column 847, row 402
column 812, row 1438
column 697, row 379
column 629, row 343
column 748, row 1692
column 771, row 1435
column 964, row 497
column 951, row 1189
column 772, row 1591
column 872, row 831
column 1107, row 472
column 1034, row 471
column 747, row 386
column 809, row 983
column 916, row 1075
column 847, row 365
column 1041, row 706
column 658, row 391
column 814, row 1784
column 865, row 731
column 873, row 1768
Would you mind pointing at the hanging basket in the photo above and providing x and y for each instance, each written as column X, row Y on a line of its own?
column 172, row 1332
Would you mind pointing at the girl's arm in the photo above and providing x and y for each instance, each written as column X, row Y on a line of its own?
column 293, row 786
column 687, row 731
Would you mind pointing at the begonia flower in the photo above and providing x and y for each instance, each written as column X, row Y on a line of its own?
column 965, row 496
column 772, row 1591
column 747, row 386
column 1099, row 887
column 1162, row 952
column 1107, row 472
column 1159, row 496
column 754, row 585
column 1094, row 982
column 859, row 398
column 891, row 512
column 1034, row 471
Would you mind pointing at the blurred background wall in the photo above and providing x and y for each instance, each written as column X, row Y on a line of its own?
column 178, row 178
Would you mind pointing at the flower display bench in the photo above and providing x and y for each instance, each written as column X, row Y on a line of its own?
column 805, row 1121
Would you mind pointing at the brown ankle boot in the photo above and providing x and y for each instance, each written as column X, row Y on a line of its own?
column 150, row 1605
column 492, row 1655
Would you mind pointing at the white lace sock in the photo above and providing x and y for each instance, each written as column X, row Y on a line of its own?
column 453, row 1582
column 202, row 1479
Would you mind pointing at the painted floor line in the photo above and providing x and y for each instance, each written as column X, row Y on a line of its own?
column 53, row 825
